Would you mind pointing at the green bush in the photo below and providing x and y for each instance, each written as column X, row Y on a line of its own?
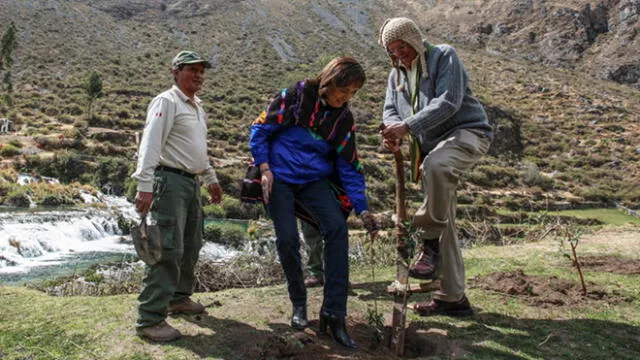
column 213, row 211
column 64, row 166
column 56, row 200
column 532, row 176
column 15, row 142
column 212, row 233
column 18, row 198
column 233, row 208
column 495, row 176
column 229, row 234
column 8, row 150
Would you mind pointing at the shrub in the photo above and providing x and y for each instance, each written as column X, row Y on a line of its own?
column 56, row 200
column 229, row 234
column 8, row 150
column 15, row 142
column 18, row 198
column 233, row 208
column 213, row 210
column 212, row 233
column 532, row 176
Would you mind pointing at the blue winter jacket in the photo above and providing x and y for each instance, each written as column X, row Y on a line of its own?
column 297, row 155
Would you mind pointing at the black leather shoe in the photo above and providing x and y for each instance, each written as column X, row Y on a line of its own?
column 299, row 317
column 436, row 307
column 338, row 329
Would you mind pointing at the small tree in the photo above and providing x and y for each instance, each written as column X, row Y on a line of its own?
column 572, row 236
column 93, row 87
column 8, row 44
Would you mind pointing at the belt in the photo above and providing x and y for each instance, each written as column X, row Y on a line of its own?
column 176, row 171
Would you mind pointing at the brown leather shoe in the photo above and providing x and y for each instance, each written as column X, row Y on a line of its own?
column 435, row 307
column 161, row 332
column 427, row 262
column 314, row 281
column 187, row 306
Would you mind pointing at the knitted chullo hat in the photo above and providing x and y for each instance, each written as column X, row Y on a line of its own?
column 406, row 30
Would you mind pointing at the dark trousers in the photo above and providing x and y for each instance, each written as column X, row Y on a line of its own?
column 177, row 208
column 318, row 199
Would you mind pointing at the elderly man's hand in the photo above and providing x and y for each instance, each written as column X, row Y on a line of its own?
column 392, row 145
column 395, row 131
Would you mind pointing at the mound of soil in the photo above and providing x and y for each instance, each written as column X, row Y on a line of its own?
column 309, row 345
column 610, row 264
column 543, row 291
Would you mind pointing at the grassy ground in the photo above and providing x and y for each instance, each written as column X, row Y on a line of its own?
column 253, row 323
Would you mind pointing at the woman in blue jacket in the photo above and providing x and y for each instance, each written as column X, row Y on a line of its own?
column 304, row 144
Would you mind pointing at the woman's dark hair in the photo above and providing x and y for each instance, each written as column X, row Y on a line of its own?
column 340, row 72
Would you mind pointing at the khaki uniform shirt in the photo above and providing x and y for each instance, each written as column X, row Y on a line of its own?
column 175, row 135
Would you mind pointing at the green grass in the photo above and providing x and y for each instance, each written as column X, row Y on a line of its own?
column 613, row 217
column 609, row 216
column 37, row 326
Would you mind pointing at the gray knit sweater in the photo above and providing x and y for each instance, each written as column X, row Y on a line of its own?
column 445, row 101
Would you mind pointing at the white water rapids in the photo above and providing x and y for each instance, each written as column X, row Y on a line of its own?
column 32, row 239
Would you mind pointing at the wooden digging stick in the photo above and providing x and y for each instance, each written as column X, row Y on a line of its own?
column 399, row 319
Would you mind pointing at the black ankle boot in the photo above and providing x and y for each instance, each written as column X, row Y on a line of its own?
column 338, row 329
column 299, row 317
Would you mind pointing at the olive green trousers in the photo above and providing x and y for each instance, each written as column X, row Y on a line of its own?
column 177, row 209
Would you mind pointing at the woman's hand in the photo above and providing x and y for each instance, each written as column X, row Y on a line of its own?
column 266, row 181
column 369, row 222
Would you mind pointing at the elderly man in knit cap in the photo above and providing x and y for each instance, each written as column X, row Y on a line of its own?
column 429, row 101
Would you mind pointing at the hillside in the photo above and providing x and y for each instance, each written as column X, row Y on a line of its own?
column 564, row 138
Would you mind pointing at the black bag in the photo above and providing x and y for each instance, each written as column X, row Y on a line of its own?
column 251, row 189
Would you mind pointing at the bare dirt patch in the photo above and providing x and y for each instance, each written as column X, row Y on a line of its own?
column 611, row 264
column 544, row 291
column 309, row 345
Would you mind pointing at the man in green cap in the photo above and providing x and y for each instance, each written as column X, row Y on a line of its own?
column 172, row 163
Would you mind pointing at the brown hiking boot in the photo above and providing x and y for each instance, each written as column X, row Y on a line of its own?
column 425, row 265
column 448, row 308
column 187, row 306
column 314, row 281
column 161, row 332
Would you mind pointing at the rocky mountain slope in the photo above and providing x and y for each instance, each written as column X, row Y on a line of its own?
column 600, row 38
column 564, row 136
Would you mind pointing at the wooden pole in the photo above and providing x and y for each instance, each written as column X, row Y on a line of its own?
column 398, row 323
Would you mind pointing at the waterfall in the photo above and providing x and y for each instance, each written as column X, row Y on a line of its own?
column 30, row 238
column 39, row 238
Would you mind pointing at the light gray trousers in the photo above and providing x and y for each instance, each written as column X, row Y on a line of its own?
column 441, row 171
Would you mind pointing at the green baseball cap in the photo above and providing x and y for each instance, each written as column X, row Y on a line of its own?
column 188, row 57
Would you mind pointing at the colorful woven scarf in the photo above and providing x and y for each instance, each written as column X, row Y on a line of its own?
column 414, row 145
column 301, row 105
